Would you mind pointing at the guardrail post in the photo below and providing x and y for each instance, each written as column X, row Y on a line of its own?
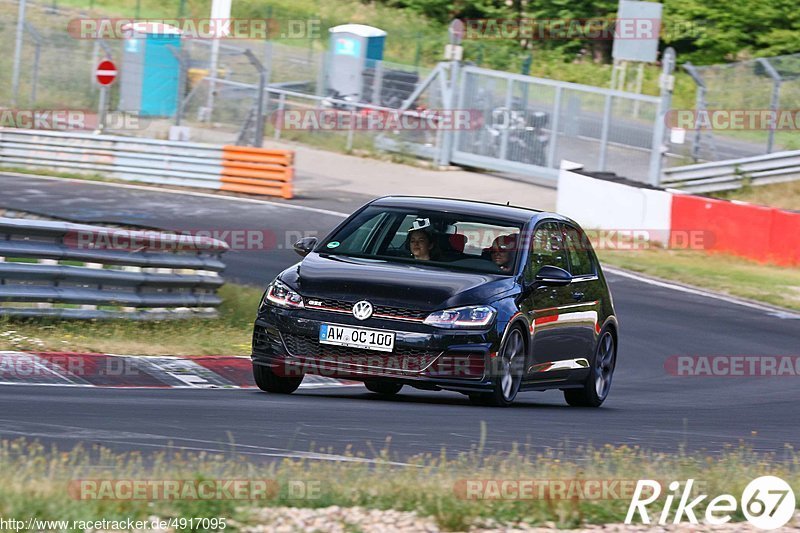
column 377, row 83
column 699, row 103
column 667, row 82
column 281, row 105
column 551, row 149
column 17, row 53
column 350, row 133
column 37, row 42
column 507, row 120
column 450, row 83
column 775, row 100
column 601, row 163
column 182, row 68
column 102, row 107
column 258, row 133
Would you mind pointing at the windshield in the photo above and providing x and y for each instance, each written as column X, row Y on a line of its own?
column 449, row 240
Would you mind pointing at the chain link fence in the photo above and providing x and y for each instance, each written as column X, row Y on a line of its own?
column 771, row 83
column 537, row 122
column 525, row 125
column 56, row 70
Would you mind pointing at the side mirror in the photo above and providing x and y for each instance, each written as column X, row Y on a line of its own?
column 304, row 246
column 553, row 276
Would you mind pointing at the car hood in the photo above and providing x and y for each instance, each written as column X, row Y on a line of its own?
column 397, row 284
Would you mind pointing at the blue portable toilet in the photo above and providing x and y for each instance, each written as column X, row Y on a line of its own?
column 150, row 71
column 354, row 48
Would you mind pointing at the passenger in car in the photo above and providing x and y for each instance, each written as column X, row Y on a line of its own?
column 503, row 252
column 421, row 240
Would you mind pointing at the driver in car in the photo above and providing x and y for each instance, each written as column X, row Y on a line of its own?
column 503, row 252
column 421, row 240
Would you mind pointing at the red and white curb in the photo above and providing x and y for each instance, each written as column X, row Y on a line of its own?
column 130, row 371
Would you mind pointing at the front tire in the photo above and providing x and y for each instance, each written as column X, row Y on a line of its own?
column 268, row 381
column 598, row 384
column 384, row 388
column 507, row 372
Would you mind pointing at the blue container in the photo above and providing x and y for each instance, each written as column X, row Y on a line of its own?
column 150, row 71
column 354, row 48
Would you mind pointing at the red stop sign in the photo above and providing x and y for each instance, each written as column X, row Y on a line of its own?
column 106, row 72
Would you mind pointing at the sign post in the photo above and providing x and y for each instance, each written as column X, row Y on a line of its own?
column 105, row 73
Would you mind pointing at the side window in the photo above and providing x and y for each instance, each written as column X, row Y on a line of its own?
column 580, row 258
column 399, row 239
column 547, row 248
column 357, row 241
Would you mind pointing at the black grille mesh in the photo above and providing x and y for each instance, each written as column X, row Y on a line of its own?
column 385, row 310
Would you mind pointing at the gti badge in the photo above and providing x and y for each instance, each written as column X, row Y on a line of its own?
column 362, row 310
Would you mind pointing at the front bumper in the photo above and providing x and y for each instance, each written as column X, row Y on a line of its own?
column 423, row 356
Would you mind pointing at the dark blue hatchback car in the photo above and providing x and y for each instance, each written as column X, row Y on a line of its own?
column 439, row 294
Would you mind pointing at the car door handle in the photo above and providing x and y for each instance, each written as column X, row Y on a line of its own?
column 577, row 295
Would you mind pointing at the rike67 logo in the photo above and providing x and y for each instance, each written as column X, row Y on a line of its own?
column 767, row 503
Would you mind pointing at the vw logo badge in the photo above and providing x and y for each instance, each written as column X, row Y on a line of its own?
column 362, row 310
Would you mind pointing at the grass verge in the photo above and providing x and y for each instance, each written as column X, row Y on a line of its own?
column 783, row 195
column 42, row 483
column 230, row 334
column 715, row 272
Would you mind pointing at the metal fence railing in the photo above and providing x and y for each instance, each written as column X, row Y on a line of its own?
column 533, row 122
column 65, row 270
column 732, row 174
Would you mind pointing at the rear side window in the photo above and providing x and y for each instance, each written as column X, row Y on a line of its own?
column 580, row 256
column 547, row 248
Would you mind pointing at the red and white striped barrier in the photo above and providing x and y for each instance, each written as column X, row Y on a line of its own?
column 679, row 220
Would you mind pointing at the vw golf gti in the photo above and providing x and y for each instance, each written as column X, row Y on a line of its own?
column 439, row 294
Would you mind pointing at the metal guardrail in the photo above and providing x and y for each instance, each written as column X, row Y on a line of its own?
column 732, row 174
column 65, row 270
column 146, row 160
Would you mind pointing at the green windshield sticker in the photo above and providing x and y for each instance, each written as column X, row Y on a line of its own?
column 333, row 244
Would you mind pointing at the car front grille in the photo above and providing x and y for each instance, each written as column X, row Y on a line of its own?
column 379, row 311
column 401, row 360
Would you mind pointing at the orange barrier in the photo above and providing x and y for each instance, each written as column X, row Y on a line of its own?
column 764, row 234
column 257, row 171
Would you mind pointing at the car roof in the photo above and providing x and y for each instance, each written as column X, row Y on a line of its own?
column 473, row 207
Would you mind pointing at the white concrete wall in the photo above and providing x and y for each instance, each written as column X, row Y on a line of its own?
column 601, row 204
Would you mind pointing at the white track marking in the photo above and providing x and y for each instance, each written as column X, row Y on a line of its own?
column 776, row 312
column 106, row 436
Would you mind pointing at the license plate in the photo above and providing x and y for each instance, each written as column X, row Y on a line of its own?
column 366, row 339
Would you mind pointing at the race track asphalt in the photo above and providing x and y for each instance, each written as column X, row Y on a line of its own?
column 647, row 407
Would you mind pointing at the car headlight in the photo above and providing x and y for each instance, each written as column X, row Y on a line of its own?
column 477, row 316
column 280, row 295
